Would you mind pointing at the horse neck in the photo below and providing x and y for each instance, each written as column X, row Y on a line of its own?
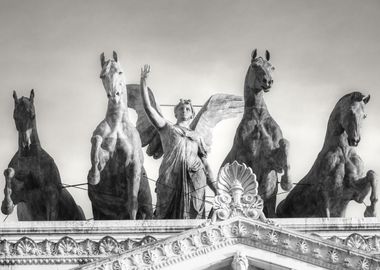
column 34, row 140
column 253, row 98
column 117, row 112
column 335, row 135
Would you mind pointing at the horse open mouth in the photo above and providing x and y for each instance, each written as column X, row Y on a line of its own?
column 266, row 89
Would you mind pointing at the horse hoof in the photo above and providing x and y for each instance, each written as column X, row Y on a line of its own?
column 9, row 173
column 371, row 175
column 369, row 212
column 93, row 177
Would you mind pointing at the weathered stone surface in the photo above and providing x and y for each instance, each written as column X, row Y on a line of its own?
column 270, row 244
column 352, row 234
column 258, row 141
column 337, row 175
column 119, row 186
column 32, row 178
column 184, row 171
column 237, row 194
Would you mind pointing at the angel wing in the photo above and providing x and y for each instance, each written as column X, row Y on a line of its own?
column 217, row 108
column 148, row 133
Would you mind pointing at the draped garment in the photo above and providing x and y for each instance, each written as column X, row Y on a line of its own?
column 182, row 178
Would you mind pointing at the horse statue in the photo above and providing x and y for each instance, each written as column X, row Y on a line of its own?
column 258, row 141
column 119, row 187
column 337, row 174
column 32, row 180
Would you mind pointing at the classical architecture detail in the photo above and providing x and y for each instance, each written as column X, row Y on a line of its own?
column 247, row 232
column 66, row 250
column 359, row 242
column 240, row 262
column 237, row 187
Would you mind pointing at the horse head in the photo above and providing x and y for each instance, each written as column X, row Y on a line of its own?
column 259, row 73
column 113, row 78
column 25, row 118
column 351, row 115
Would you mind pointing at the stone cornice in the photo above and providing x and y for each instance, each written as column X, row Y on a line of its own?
column 64, row 251
column 81, row 242
column 189, row 244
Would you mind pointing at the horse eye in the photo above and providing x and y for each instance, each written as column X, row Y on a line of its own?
column 273, row 68
column 120, row 72
column 364, row 116
column 117, row 93
column 109, row 95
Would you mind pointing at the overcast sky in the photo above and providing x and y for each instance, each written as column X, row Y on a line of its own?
column 321, row 51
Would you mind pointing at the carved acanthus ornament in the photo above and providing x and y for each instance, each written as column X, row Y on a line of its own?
column 251, row 233
column 238, row 196
column 65, row 251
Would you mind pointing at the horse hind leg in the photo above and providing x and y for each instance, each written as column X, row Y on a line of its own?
column 145, row 209
column 371, row 209
column 268, row 191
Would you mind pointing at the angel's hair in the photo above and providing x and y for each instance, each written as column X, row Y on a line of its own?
column 184, row 102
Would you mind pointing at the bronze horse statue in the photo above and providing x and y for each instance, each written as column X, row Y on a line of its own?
column 258, row 141
column 118, row 185
column 337, row 176
column 32, row 178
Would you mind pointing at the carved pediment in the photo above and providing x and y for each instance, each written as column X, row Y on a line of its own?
column 226, row 238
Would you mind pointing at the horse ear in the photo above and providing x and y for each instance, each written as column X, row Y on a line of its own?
column 267, row 55
column 31, row 97
column 366, row 99
column 15, row 96
column 102, row 59
column 114, row 56
column 254, row 54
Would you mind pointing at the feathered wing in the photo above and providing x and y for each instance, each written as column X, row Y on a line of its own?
column 148, row 133
column 217, row 108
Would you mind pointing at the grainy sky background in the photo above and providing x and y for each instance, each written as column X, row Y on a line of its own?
column 321, row 51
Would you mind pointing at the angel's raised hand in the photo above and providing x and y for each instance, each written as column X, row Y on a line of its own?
column 145, row 71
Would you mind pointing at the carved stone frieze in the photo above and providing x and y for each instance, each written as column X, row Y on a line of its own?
column 249, row 232
column 66, row 250
column 370, row 244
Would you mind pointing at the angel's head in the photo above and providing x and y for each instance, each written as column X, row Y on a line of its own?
column 184, row 111
column 113, row 78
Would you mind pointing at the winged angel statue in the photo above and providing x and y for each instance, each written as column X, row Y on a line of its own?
column 184, row 172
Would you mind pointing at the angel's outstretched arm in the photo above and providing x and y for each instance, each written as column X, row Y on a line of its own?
column 157, row 120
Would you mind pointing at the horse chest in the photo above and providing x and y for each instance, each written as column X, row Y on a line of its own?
column 118, row 139
column 256, row 136
column 27, row 166
column 353, row 167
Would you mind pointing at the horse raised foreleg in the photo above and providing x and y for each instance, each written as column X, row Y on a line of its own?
column 93, row 176
column 7, row 205
column 52, row 194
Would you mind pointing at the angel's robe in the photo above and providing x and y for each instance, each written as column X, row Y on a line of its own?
column 182, row 177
